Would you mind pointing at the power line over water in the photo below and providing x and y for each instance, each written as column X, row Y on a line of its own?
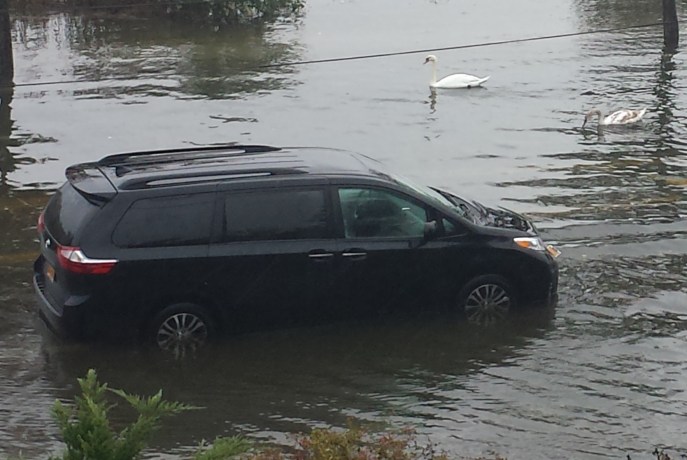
column 376, row 55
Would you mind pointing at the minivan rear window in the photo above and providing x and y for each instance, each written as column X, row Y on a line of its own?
column 66, row 213
column 182, row 220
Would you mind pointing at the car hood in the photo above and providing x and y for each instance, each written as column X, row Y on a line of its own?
column 490, row 217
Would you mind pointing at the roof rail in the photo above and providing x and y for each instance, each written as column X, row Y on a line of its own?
column 146, row 182
column 229, row 149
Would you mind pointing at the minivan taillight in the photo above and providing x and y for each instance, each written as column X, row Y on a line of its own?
column 74, row 260
column 41, row 223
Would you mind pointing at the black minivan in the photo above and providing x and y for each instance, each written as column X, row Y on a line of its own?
column 178, row 246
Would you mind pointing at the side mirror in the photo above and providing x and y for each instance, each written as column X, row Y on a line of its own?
column 430, row 230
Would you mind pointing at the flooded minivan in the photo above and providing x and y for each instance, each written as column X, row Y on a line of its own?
column 177, row 247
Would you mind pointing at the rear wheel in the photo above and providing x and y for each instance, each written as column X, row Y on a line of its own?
column 487, row 300
column 181, row 329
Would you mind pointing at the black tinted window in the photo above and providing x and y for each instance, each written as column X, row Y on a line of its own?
column 275, row 215
column 166, row 221
column 372, row 213
column 67, row 211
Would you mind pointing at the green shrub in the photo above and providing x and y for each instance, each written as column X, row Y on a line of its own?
column 355, row 443
column 223, row 448
column 88, row 435
column 86, row 428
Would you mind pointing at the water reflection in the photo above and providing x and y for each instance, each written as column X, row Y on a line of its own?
column 130, row 57
column 604, row 14
column 379, row 371
column 602, row 379
column 665, row 108
column 6, row 159
column 432, row 100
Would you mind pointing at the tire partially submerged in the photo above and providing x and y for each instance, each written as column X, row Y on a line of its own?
column 487, row 300
column 182, row 329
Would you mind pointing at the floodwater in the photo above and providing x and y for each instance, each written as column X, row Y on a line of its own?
column 601, row 376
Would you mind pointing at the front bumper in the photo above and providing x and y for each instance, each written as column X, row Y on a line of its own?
column 540, row 284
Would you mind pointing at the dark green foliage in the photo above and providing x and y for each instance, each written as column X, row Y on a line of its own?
column 223, row 448
column 86, row 428
column 88, row 434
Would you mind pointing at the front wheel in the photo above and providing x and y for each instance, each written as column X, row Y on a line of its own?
column 181, row 329
column 487, row 300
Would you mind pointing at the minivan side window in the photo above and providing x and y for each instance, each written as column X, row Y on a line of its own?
column 275, row 215
column 180, row 220
column 374, row 213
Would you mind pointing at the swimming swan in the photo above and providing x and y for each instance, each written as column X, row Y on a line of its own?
column 457, row 80
column 620, row 117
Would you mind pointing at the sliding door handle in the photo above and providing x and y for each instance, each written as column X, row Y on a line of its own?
column 354, row 254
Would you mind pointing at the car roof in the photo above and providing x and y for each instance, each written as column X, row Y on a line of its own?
column 159, row 168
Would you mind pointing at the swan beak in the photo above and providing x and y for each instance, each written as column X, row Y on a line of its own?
column 584, row 123
column 426, row 61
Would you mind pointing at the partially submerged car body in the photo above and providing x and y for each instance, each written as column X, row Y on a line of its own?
column 177, row 246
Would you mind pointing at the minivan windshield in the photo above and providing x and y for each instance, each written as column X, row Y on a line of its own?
column 462, row 207
column 472, row 211
column 406, row 183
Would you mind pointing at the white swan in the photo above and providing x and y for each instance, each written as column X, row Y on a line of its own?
column 620, row 117
column 457, row 80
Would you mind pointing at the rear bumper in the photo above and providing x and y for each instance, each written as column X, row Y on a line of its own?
column 55, row 321
column 84, row 316
column 64, row 321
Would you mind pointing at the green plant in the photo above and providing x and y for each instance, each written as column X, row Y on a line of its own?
column 88, row 434
column 356, row 443
column 223, row 448
column 86, row 428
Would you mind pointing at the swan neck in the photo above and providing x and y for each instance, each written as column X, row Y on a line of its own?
column 434, row 71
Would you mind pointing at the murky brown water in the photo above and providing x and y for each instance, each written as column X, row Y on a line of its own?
column 602, row 376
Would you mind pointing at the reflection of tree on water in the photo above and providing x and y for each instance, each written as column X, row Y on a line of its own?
column 6, row 92
column 6, row 57
column 603, row 14
column 665, row 104
column 216, row 13
column 20, row 208
column 151, row 57
column 6, row 160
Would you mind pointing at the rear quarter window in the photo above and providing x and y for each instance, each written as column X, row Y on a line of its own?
column 67, row 212
column 181, row 220
column 276, row 215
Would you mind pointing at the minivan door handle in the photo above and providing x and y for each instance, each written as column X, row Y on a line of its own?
column 354, row 254
column 319, row 255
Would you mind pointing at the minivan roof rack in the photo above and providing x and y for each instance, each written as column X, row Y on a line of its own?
column 228, row 149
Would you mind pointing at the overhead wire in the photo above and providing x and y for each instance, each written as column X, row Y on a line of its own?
column 376, row 55
column 458, row 47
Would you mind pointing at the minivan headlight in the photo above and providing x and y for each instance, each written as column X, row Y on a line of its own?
column 533, row 243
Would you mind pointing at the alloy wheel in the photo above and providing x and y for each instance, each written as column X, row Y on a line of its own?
column 487, row 304
column 182, row 333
